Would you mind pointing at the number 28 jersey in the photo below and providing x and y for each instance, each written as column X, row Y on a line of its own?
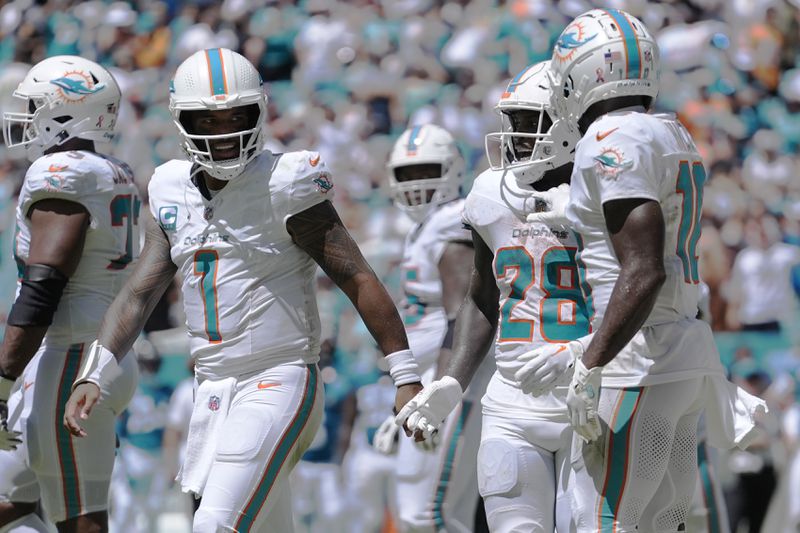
column 248, row 290
column 535, row 271
column 104, row 186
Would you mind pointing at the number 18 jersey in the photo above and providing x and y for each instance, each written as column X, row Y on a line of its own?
column 104, row 187
column 537, row 276
column 628, row 154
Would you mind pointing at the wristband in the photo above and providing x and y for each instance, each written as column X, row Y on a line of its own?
column 99, row 367
column 403, row 367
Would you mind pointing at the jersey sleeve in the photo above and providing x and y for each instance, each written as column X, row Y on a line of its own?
column 622, row 161
column 468, row 218
column 312, row 184
column 162, row 186
column 60, row 178
column 451, row 226
column 480, row 210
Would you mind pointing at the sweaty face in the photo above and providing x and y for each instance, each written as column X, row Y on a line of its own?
column 526, row 121
column 418, row 172
column 221, row 122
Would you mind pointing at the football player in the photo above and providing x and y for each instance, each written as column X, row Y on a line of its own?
column 524, row 294
column 436, row 483
column 246, row 228
column 635, row 199
column 76, row 242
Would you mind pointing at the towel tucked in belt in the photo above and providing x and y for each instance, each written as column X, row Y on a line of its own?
column 211, row 404
column 730, row 413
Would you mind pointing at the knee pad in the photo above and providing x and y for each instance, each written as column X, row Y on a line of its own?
column 30, row 523
column 498, row 467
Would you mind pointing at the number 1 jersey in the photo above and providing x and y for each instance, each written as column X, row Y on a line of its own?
column 104, row 187
column 248, row 290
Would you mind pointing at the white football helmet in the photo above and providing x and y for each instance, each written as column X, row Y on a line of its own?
column 62, row 98
column 529, row 154
column 420, row 145
column 215, row 79
column 602, row 54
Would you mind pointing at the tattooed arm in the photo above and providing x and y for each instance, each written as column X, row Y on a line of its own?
column 320, row 233
column 153, row 273
column 126, row 316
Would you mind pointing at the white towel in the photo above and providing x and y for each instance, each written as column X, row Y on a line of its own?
column 211, row 404
column 730, row 413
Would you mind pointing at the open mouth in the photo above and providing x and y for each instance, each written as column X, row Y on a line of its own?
column 225, row 150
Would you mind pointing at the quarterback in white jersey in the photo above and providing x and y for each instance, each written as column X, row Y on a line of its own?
column 76, row 241
column 524, row 294
column 244, row 227
column 635, row 199
column 436, row 485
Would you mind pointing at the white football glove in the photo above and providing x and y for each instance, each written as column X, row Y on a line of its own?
column 547, row 367
column 582, row 399
column 385, row 440
column 426, row 411
column 9, row 439
column 557, row 199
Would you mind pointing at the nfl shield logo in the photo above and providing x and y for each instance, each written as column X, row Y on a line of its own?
column 213, row 403
column 208, row 212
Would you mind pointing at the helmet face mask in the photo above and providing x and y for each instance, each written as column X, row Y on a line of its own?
column 601, row 55
column 205, row 133
column 531, row 141
column 62, row 98
column 222, row 88
column 417, row 184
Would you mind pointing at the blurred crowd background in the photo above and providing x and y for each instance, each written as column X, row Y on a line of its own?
column 346, row 78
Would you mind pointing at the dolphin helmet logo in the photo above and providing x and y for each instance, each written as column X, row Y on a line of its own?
column 570, row 40
column 75, row 86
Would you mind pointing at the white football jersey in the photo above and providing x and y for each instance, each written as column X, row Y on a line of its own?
column 248, row 290
column 423, row 311
column 104, row 186
column 629, row 154
column 537, row 276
